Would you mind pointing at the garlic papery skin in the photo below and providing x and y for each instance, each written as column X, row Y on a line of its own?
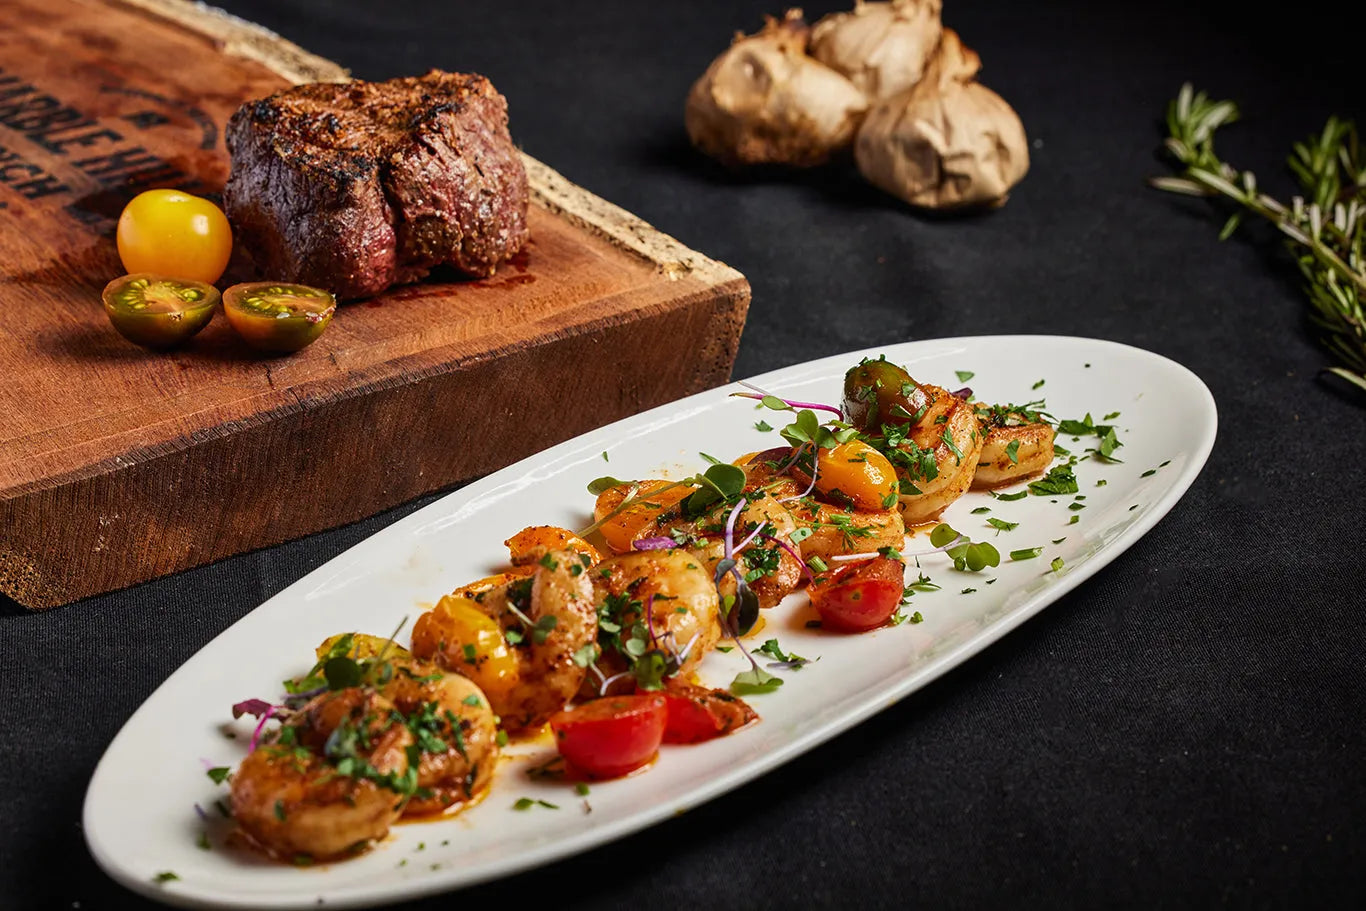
column 948, row 142
column 881, row 47
column 764, row 101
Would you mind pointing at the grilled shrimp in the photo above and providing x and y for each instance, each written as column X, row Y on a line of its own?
column 524, row 658
column 456, row 732
column 831, row 530
column 289, row 795
column 948, row 438
column 1016, row 445
column 682, row 619
column 769, row 557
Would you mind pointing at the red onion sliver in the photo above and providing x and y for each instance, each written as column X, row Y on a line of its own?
column 965, row 393
column 661, row 542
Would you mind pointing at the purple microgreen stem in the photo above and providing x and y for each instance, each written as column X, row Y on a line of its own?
column 752, row 535
column 794, row 554
column 260, row 726
column 730, row 530
column 791, row 403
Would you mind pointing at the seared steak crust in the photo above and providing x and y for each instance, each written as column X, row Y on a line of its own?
column 357, row 186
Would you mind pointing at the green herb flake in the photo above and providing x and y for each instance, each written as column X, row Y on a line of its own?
column 165, row 876
column 219, row 775
column 1002, row 525
column 1149, row 473
column 1013, row 452
column 1102, row 482
column 502, row 738
column 1017, row 495
column 1040, row 383
column 202, row 843
column 581, row 789
column 471, row 655
column 964, row 375
column 1057, row 564
column 981, row 509
column 967, row 591
column 1028, row 553
column 915, row 618
column 763, row 426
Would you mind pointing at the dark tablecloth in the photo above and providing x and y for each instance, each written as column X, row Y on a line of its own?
column 1185, row 729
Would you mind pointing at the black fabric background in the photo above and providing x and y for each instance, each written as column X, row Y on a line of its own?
column 1185, row 730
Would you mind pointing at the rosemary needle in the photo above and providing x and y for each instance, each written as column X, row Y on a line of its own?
column 1326, row 226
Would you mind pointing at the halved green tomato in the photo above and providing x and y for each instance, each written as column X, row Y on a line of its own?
column 156, row 311
column 276, row 317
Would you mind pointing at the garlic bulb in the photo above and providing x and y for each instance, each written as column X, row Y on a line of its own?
column 882, row 47
column 948, row 141
column 764, row 101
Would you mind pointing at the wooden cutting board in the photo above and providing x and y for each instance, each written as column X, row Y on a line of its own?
column 118, row 465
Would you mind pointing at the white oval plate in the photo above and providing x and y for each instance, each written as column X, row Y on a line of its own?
column 140, row 817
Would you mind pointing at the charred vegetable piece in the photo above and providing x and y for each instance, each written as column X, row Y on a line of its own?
column 878, row 392
column 278, row 318
column 158, row 312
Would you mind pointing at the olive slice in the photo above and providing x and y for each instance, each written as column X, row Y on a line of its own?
column 156, row 311
column 278, row 318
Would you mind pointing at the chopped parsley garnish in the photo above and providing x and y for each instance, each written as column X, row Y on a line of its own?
column 165, row 876
column 1017, row 495
column 1013, row 452
column 581, row 789
column 775, row 651
column 964, row 375
column 981, row 509
column 219, row 775
column 1057, row 564
column 1059, row 480
column 526, row 803
column 763, row 426
column 1027, row 553
column 1002, row 525
column 1040, row 383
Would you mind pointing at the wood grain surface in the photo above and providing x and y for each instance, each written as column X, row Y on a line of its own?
column 118, row 465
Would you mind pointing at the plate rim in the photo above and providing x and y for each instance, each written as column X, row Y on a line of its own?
column 933, row 667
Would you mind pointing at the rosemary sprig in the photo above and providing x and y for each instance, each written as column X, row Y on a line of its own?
column 1326, row 226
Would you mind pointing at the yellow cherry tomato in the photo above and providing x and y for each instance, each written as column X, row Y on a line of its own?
column 860, row 473
column 460, row 637
column 641, row 518
column 175, row 234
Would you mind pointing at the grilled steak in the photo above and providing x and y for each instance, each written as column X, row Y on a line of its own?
column 357, row 186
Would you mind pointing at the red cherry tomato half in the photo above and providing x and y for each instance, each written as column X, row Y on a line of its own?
column 861, row 596
column 609, row 737
column 697, row 713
